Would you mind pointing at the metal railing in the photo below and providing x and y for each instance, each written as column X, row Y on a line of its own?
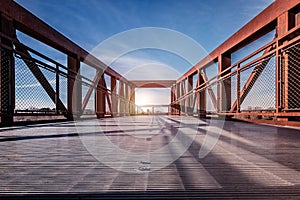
column 265, row 83
column 41, row 85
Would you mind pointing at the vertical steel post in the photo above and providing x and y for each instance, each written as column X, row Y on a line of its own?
column 201, row 97
column 114, row 100
column 57, row 85
column 238, row 89
column 132, row 100
column 7, row 73
column 189, row 109
column 127, row 102
column 178, row 109
column 100, row 98
column 172, row 110
column 224, row 86
column 182, row 102
column 74, row 93
column 278, row 81
column 282, row 68
column 121, row 98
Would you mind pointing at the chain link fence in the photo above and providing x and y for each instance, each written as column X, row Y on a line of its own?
column 290, row 65
column 256, row 83
column 233, row 86
column 90, row 108
column 30, row 94
column 63, row 88
column 258, row 86
column 33, row 97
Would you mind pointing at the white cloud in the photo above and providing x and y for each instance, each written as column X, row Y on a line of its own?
column 118, row 46
column 134, row 68
column 138, row 67
column 37, row 84
column 254, row 10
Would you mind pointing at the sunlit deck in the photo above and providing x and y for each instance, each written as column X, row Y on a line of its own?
column 248, row 160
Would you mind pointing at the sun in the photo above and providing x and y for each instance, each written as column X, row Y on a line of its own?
column 143, row 98
column 146, row 96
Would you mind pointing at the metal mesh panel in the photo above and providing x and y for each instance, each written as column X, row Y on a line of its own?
column 63, row 88
column 195, row 109
column 182, row 106
column 90, row 107
column 51, row 77
column 209, row 102
column 259, row 88
column 233, row 89
column 107, row 109
column 245, row 75
column 227, row 86
column 211, row 71
column 291, row 77
column 30, row 95
column 107, row 105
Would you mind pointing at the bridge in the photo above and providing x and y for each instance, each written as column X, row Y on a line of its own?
column 218, row 127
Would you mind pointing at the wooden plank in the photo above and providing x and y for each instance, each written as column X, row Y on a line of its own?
column 51, row 160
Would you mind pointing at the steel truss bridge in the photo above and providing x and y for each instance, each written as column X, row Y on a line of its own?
column 262, row 85
column 193, row 152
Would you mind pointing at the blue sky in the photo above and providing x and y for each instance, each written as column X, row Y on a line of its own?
column 90, row 22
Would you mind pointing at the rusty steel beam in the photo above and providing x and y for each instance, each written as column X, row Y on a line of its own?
column 107, row 96
column 91, row 89
column 256, row 72
column 201, row 96
column 100, row 98
column 114, row 98
column 263, row 113
column 150, row 105
column 7, row 73
column 38, row 74
column 210, row 90
column 74, row 89
column 258, row 26
column 224, row 89
column 121, row 98
column 132, row 101
column 190, row 103
column 127, row 97
column 153, row 83
column 31, row 25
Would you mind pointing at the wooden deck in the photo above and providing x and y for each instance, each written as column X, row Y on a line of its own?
column 53, row 160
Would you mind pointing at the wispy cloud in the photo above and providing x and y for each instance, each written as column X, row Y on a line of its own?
column 37, row 84
column 134, row 68
column 254, row 10
column 137, row 65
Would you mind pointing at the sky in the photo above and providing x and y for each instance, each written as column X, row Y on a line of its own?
column 91, row 23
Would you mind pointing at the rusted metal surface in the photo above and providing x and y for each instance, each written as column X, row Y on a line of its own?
column 100, row 99
column 228, row 93
column 153, row 83
column 7, row 71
